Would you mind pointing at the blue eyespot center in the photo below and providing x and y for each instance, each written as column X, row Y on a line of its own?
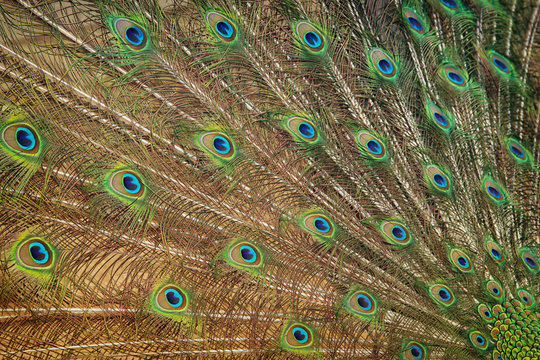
column 300, row 335
column 416, row 351
column 500, row 64
column 525, row 299
column 444, row 294
column 131, row 183
column 374, row 147
column 25, row 138
column 440, row 180
column 530, row 261
column 312, row 39
column 463, row 262
column 385, row 66
column 224, row 29
column 496, row 291
column 440, row 119
column 39, row 253
column 480, row 340
column 322, row 225
column 248, row 253
column 221, row 145
column 487, row 314
column 173, row 297
column 450, row 3
column 306, row 130
column 417, row 25
column 135, row 35
column 399, row 232
column 494, row 192
column 517, row 151
column 496, row 254
column 364, row 302
column 455, row 77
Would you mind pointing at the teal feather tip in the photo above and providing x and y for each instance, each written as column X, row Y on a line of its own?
column 413, row 350
column 130, row 33
column 495, row 192
column 310, row 37
column 21, row 140
column 395, row 233
column 438, row 180
column 371, row 146
column 170, row 300
column 303, row 129
column 442, row 295
column 34, row 254
column 383, row 64
column 440, row 118
column 298, row 337
column 454, row 77
column 416, row 24
column 222, row 27
column 319, row 225
column 361, row 303
column 245, row 255
column 460, row 260
column 126, row 185
column 218, row 145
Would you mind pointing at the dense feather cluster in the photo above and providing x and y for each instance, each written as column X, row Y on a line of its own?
column 269, row 179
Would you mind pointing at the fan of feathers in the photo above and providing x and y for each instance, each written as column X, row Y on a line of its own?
column 273, row 179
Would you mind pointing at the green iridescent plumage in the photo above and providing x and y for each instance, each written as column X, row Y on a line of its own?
column 269, row 180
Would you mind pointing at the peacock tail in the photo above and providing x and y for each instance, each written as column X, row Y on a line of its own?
column 285, row 179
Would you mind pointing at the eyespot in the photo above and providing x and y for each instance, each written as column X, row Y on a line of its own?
column 20, row 138
column 438, row 180
column 461, row 261
column 318, row 224
column 498, row 62
column 302, row 128
column 395, row 232
column 217, row 144
column 478, row 340
column 297, row 337
column 485, row 313
column 517, row 151
column 495, row 290
column 414, row 351
column 170, row 299
column 383, row 63
column 371, row 146
column 415, row 22
column 494, row 191
column 441, row 294
column 34, row 253
column 221, row 26
column 310, row 37
column 440, row 118
column 131, row 33
column 245, row 254
column 454, row 76
column 526, row 298
column 361, row 303
column 496, row 355
column 450, row 4
column 127, row 184
column 529, row 260
column 495, row 251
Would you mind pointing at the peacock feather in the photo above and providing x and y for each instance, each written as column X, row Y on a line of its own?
column 269, row 179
